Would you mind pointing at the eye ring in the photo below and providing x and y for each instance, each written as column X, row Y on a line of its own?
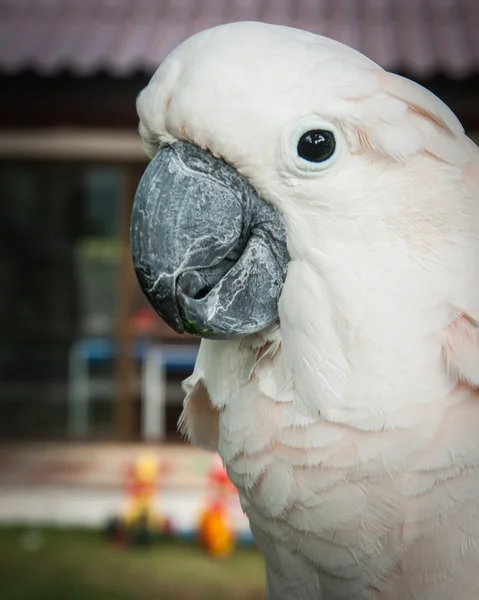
column 316, row 145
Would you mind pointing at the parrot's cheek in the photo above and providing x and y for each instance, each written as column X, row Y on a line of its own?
column 210, row 254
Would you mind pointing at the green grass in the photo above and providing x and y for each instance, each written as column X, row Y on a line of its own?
column 53, row 564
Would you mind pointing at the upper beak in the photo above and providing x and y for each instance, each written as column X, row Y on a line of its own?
column 210, row 254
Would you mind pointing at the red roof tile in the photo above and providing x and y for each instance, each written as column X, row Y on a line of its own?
column 421, row 37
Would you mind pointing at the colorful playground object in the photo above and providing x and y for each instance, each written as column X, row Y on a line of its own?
column 140, row 521
column 215, row 531
column 143, row 522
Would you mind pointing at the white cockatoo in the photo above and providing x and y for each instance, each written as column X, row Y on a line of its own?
column 315, row 219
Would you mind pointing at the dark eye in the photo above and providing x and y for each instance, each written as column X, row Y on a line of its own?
column 316, row 145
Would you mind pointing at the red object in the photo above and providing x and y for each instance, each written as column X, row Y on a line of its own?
column 145, row 320
column 219, row 477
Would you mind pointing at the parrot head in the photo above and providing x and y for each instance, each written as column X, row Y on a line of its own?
column 270, row 145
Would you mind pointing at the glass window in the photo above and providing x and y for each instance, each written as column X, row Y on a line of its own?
column 97, row 250
column 59, row 258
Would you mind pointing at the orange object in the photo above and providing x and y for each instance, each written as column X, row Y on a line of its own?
column 215, row 531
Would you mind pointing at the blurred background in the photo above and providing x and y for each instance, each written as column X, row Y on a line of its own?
column 89, row 376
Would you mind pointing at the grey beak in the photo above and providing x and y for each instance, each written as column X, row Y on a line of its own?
column 209, row 253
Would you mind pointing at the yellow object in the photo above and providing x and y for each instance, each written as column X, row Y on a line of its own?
column 142, row 483
column 147, row 468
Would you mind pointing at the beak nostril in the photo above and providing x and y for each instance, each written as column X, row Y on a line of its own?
column 203, row 292
column 193, row 285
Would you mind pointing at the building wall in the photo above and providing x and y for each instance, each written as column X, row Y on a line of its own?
column 105, row 102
